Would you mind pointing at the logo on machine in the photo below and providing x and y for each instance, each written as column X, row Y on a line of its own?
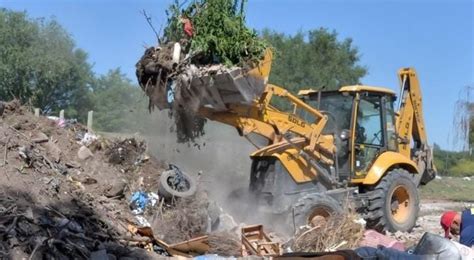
column 296, row 120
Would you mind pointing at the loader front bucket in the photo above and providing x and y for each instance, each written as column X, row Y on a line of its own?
column 220, row 86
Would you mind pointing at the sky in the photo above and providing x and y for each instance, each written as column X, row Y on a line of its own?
column 433, row 36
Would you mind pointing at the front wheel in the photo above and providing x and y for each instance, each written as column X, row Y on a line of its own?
column 393, row 204
column 313, row 208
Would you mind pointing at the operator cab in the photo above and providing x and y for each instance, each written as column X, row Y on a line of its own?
column 362, row 121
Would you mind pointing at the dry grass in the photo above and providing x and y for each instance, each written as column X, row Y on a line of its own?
column 224, row 244
column 339, row 232
column 186, row 219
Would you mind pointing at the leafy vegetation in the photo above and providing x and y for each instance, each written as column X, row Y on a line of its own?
column 448, row 188
column 220, row 34
column 119, row 104
column 313, row 59
column 451, row 163
column 40, row 65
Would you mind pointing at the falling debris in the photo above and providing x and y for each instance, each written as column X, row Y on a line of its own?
column 206, row 51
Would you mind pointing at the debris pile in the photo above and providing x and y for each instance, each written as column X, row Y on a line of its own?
column 204, row 58
column 51, row 233
column 339, row 232
column 127, row 153
column 60, row 204
column 184, row 219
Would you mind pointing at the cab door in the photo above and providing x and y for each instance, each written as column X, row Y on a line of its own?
column 369, row 133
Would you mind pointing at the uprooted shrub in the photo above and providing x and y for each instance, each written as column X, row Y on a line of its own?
column 185, row 219
column 218, row 35
column 219, row 32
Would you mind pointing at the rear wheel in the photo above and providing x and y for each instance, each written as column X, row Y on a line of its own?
column 394, row 203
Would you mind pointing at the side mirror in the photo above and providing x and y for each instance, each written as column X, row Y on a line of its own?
column 345, row 134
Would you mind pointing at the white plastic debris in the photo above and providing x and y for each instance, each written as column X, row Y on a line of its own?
column 360, row 221
column 142, row 222
column 176, row 52
column 88, row 139
column 153, row 197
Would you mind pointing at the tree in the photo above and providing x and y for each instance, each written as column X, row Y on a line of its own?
column 40, row 65
column 314, row 59
column 120, row 106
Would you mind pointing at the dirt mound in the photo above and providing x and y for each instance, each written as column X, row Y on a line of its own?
column 57, row 204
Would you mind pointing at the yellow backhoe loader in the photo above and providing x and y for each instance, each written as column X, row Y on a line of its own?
column 324, row 147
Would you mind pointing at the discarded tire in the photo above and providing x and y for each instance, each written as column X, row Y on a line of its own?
column 310, row 206
column 168, row 189
column 393, row 204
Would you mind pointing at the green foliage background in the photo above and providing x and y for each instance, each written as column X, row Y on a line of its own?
column 40, row 65
column 453, row 163
column 314, row 59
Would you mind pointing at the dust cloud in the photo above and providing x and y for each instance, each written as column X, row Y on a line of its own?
column 221, row 155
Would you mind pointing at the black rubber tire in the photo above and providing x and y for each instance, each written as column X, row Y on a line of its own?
column 309, row 204
column 379, row 215
column 167, row 192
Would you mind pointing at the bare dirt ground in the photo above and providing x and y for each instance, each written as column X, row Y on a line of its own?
column 429, row 217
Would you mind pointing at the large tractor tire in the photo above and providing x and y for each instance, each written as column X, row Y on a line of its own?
column 394, row 203
column 310, row 208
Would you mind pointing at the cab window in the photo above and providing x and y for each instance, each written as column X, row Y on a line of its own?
column 369, row 124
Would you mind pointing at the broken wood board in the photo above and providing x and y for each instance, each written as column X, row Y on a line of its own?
column 256, row 242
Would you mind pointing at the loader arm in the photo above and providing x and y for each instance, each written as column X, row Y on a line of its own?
column 308, row 147
column 262, row 118
column 412, row 141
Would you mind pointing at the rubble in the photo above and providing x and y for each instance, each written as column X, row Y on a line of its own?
column 55, row 206
column 50, row 233
column 127, row 153
column 83, row 153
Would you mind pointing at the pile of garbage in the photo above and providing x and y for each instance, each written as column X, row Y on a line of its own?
column 50, row 232
column 206, row 50
column 127, row 153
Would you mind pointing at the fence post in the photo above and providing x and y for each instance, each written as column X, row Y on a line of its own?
column 61, row 115
column 90, row 118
